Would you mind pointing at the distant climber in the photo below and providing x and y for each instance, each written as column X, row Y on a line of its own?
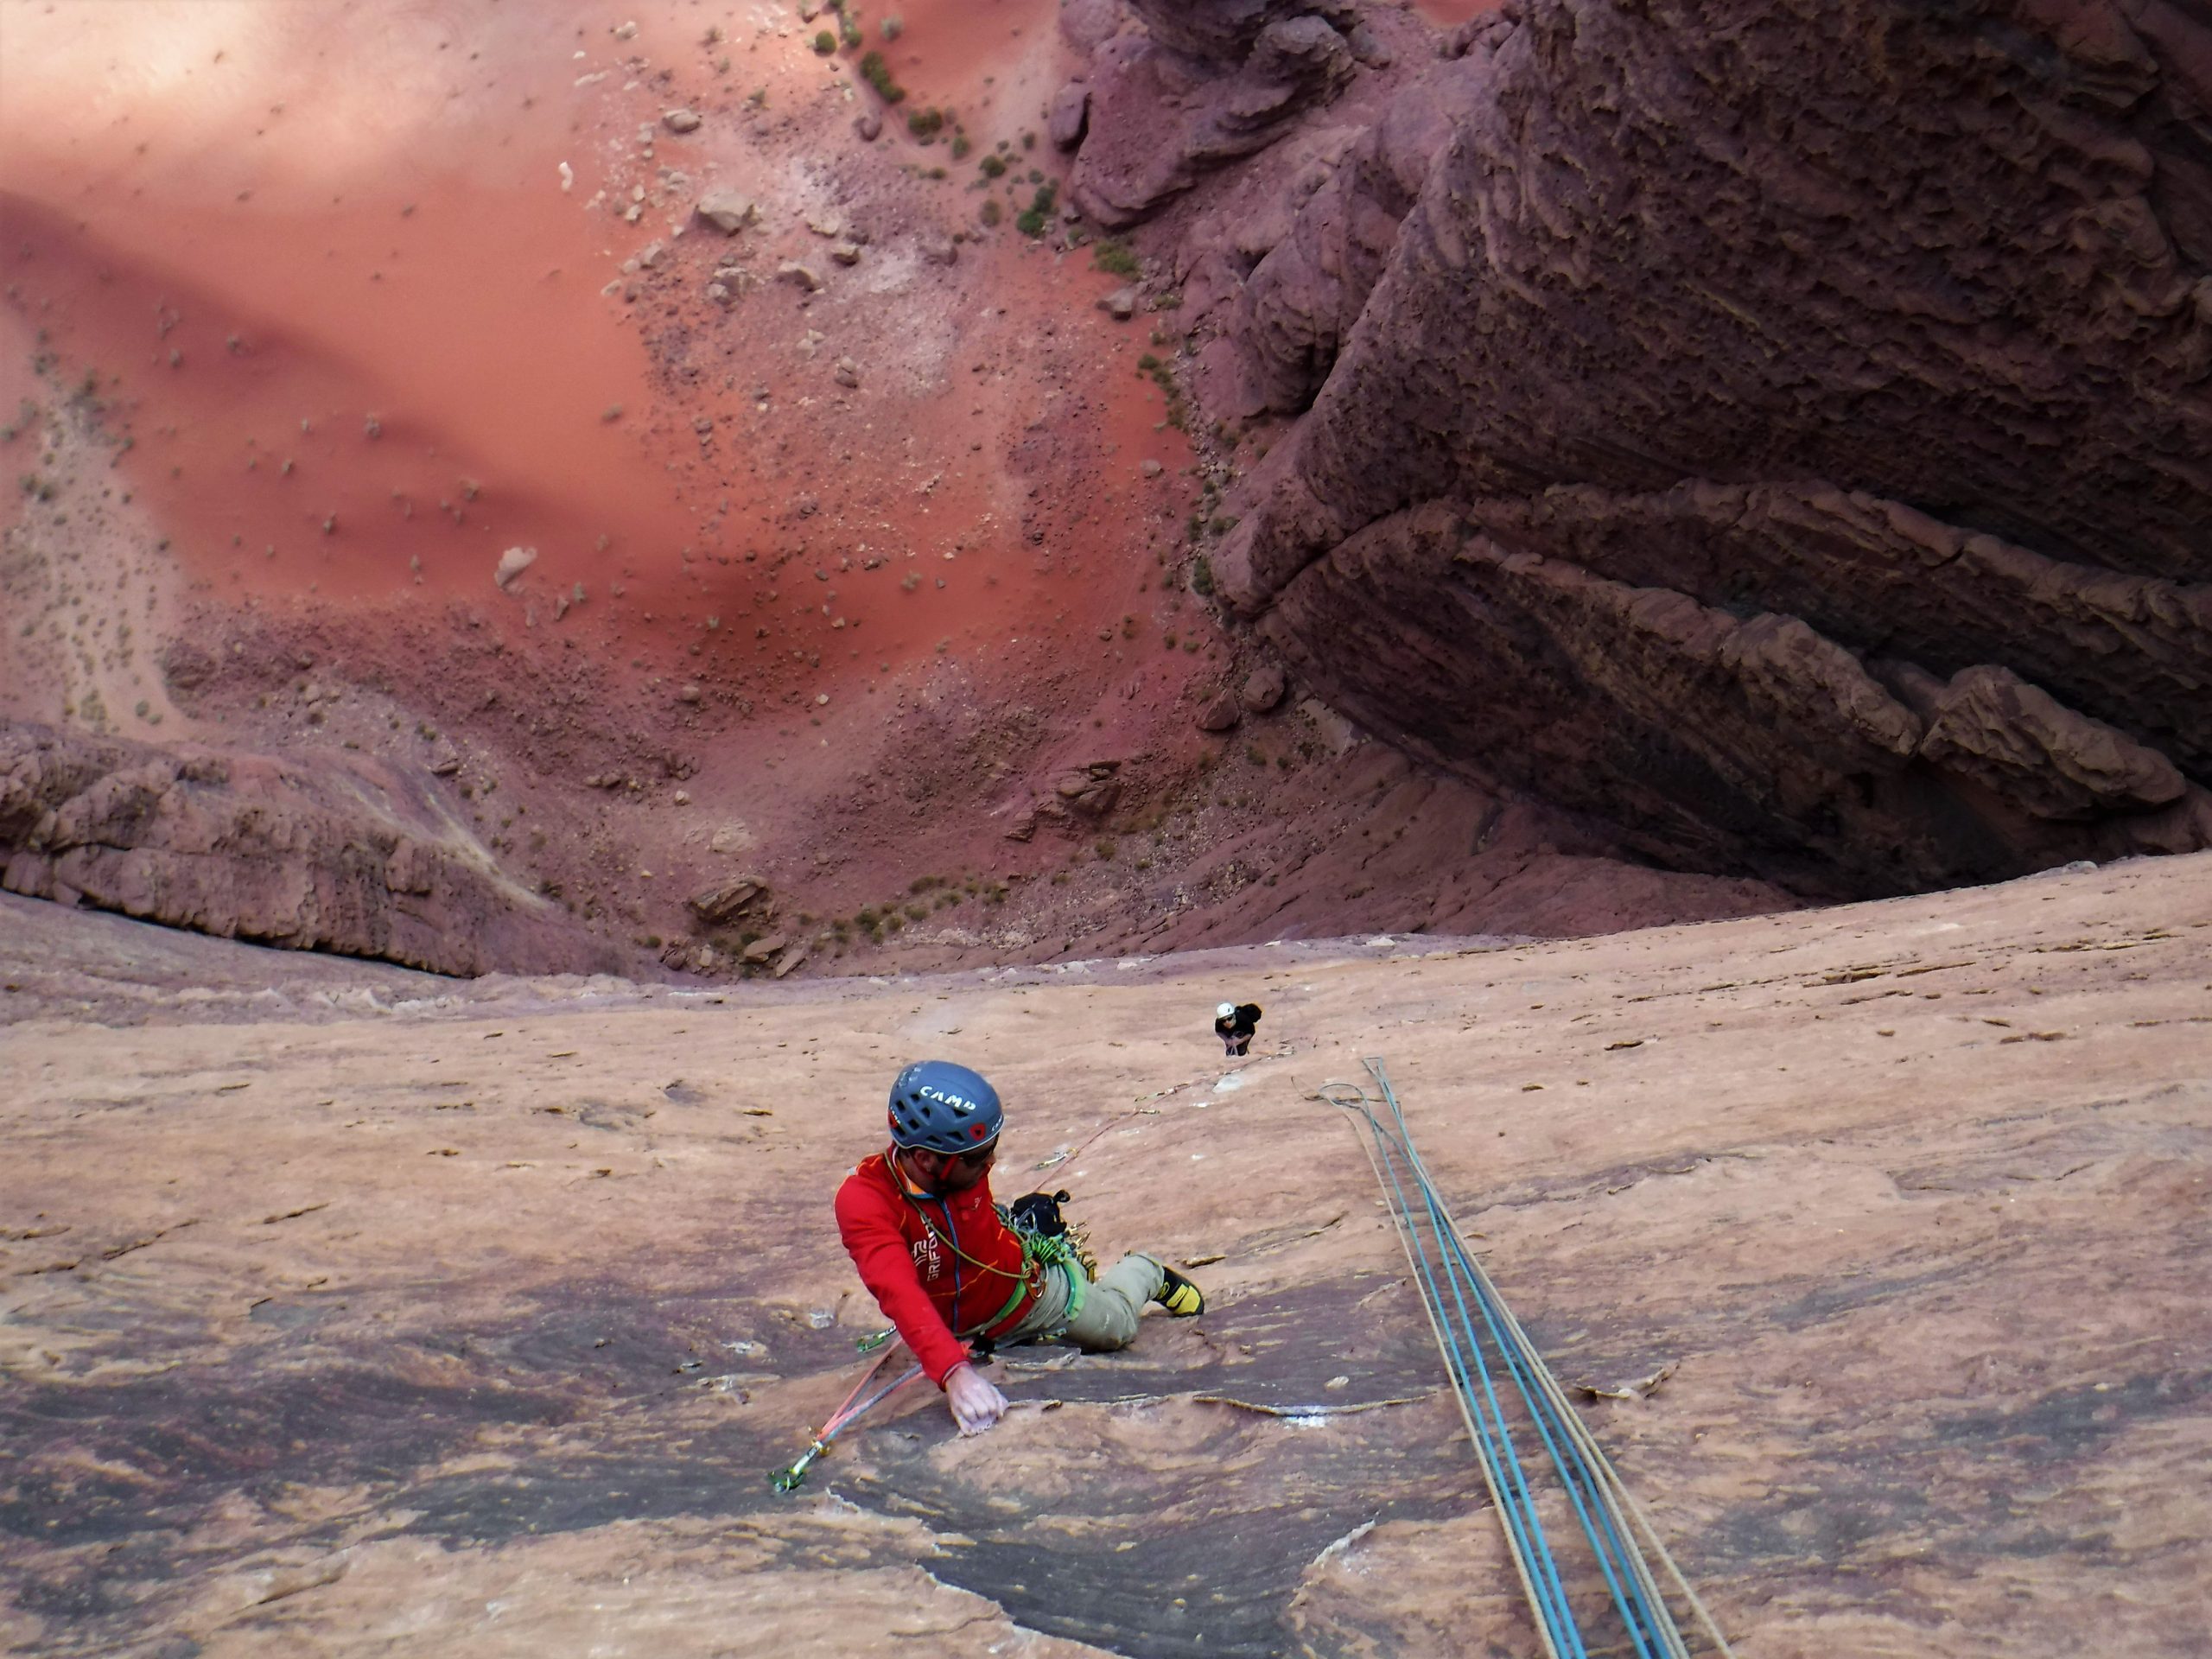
column 948, row 1265
column 1234, row 1023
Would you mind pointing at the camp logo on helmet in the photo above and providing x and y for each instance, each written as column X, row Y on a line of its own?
column 944, row 1099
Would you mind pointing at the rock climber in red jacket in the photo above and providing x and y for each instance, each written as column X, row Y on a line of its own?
column 944, row 1266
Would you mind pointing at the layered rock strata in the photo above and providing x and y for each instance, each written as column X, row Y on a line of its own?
column 1787, row 429
column 351, row 856
column 1190, row 88
column 1722, row 738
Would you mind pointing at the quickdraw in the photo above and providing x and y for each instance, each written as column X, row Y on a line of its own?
column 788, row 1479
column 1069, row 1248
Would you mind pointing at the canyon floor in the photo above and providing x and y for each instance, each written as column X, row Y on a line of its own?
column 861, row 537
column 352, row 1310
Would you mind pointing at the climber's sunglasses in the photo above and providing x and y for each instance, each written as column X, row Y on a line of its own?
column 979, row 1159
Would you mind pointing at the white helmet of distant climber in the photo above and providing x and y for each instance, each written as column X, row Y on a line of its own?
column 1224, row 1011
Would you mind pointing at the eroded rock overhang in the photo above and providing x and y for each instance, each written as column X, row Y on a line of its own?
column 1781, row 430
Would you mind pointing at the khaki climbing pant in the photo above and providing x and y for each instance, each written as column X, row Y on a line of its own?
column 1107, row 1317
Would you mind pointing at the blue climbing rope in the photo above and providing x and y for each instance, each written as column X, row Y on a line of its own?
column 1481, row 1342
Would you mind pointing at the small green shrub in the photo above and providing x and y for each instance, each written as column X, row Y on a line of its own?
column 1032, row 220
column 1201, row 576
column 877, row 73
column 992, row 166
column 825, row 42
column 1115, row 257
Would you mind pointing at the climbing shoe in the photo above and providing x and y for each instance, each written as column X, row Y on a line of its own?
column 1179, row 1296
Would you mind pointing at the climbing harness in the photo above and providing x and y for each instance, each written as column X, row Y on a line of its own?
column 1040, row 1248
column 1048, row 1237
column 1048, row 1245
column 1484, row 1345
column 788, row 1479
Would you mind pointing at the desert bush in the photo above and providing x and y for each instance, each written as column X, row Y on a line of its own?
column 877, row 73
column 1034, row 218
column 1114, row 256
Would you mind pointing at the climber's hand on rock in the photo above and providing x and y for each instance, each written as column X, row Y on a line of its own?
column 975, row 1404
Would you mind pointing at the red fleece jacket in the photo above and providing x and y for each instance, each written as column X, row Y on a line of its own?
column 936, row 1266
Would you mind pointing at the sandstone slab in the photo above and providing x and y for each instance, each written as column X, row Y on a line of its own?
column 514, row 1301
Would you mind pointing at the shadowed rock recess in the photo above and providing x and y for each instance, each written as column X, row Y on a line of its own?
column 1780, row 429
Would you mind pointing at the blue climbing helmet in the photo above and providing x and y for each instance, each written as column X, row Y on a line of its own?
column 937, row 1106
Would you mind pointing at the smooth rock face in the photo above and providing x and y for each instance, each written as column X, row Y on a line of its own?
column 343, row 1312
column 1627, row 329
column 351, row 857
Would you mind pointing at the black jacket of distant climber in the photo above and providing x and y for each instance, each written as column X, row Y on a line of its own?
column 1236, row 1028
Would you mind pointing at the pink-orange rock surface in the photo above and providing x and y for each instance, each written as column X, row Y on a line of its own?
column 351, row 1310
